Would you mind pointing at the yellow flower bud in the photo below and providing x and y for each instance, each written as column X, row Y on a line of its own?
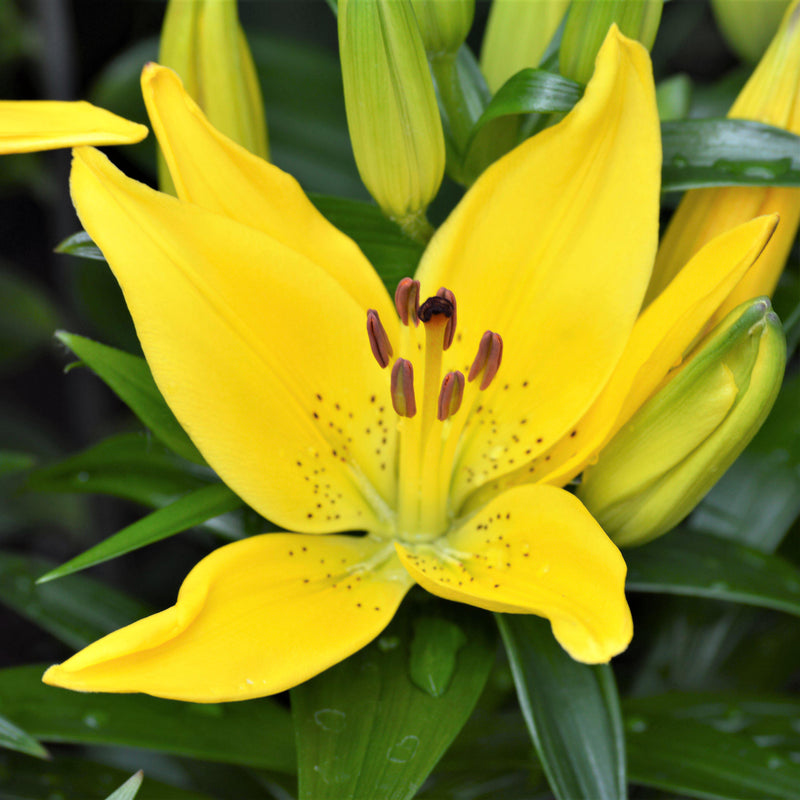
column 748, row 27
column 674, row 449
column 772, row 95
column 443, row 24
column 392, row 113
column 588, row 23
column 517, row 35
column 204, row 43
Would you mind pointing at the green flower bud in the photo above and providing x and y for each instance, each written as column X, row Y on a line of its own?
column 517, row 35
column 443, row 24
column 391, row 107
column 748, row 27
column 204, row 43
column 588, row 23
column 673, row 450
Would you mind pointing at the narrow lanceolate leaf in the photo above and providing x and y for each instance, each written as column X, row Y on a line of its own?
column 132, row 466
column 697, row 760
column 190, row 510
column 14, row 738
column 701, row 565
column 130, row 379
column 256, row 733
column 77, row 610
column 728, row 152
column 376, row 724
column 531, row 90
column 80, row 244
column 388, row 249
column 26, row 779
column 129, row 789
column 571, row 709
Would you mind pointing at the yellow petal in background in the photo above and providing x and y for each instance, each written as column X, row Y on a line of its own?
column 253, row 618
column 262, row 356
column 214, row 172
column 534, row 550
column 30, row 125
column 552, row 249
column 772, row 96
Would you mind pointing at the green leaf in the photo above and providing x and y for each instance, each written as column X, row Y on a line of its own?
column 531, row 90
column 12, row 462
column 727, row 152
column 27, row 318
column 131, row 466
column 255, row 733
column 76, row 611
column 14, row 738
column 697, row 564
column 571, row 709
column 674, row 97
column 364, row 729
column 130, row 379
column 80, row 244
column 187, row 512
column 758, row 499
column 388, row 249
column 697, row 760
column 74, row 779
column 129, row 789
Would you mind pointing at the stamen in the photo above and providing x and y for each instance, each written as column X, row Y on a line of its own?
column 451, row 395
column 378, row 340
column 450, row 330
column 487, row 361
column 403, row 399
column 406, row 301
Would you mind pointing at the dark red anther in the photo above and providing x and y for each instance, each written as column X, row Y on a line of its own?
column 487, row 361
column 378, row 340
column 450, row 330
column 451, row 394
column 406, row 301
column 403, row 400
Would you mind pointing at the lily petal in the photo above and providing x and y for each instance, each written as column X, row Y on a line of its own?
column 535, row 550
column 552, row 248
column 263, row 357
column 662, row 335
column 253, row 618
column 30, row 125
column 213, row 171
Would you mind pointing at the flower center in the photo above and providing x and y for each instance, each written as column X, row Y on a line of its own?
column 427, row 401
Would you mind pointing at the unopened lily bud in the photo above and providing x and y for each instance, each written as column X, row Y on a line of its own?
column 517, row 35
column 392, row 113
column 588, row 22
column 443, row 24
column 203, row 42
column 674, row 449
column 772, row 96
column 748, row 27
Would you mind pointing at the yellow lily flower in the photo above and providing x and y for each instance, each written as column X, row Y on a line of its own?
column 772, row 96
column 33, row 125
column 251, row 311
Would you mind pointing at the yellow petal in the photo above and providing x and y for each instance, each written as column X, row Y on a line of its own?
column 211, row 170
column 662, row 335
column 253, row 618
column 534, row 550
column 262, row 356
column 552, row 249
column 772, row 96
column 29, row 125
